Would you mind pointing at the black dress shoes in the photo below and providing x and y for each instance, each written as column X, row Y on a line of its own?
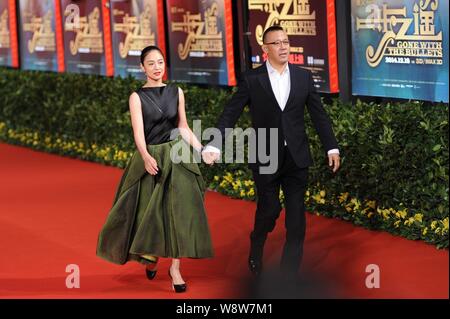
column 256, row 254
column 255, row 266
column 178, row 288
column 150, row 274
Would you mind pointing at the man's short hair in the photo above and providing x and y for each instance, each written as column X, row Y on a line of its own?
column 271, row 29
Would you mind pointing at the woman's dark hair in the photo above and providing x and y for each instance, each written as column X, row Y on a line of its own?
column 149, row 49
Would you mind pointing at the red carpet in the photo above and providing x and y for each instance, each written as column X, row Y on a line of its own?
column 52, row 208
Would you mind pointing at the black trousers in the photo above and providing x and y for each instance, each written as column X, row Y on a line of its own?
column 293, row 181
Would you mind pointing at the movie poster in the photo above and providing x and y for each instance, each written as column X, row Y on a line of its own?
column 311, row 27
column 9, row 51
column 400, row 49
column 87, row 36
column 135, row 24
column 201, row 41
column 40, row 35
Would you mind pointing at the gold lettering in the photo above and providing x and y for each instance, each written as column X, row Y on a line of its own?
column 88, row 37
column 43, row 38
column 138, row 32
column 4, row 31
column 300, row 22
column 394, row 23
column 203, row 36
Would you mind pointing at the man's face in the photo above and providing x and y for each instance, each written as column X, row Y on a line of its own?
column 276, row 47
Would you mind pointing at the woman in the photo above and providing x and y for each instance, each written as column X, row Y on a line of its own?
column 158, row 209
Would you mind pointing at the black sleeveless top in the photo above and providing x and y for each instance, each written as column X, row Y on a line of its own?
column 159, row 112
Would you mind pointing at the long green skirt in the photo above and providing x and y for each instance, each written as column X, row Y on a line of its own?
column 157, row 216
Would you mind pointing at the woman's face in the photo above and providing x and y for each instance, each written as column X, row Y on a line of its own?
column 154, row 65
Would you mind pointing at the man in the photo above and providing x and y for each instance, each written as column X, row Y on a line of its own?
column 277, row 93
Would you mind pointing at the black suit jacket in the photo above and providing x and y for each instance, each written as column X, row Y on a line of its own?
column 255, row 90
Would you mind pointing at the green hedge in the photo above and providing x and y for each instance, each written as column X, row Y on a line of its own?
column 394, row 173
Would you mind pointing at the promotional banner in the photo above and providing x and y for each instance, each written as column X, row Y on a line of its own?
column 135, row 25
column 400, row 49
column 311, row 27
column 40, row 35
column 87, row 36
column 9, row 51
column 201, row 41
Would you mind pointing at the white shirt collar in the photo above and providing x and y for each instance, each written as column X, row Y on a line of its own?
column 271, row 69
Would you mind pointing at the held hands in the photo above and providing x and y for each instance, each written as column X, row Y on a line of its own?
column 150, row 165
column 210, row 154
column 210, row 157
column 334, row 161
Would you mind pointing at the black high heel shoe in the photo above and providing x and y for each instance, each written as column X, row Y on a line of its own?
column 150, row 273
column 178, row 288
